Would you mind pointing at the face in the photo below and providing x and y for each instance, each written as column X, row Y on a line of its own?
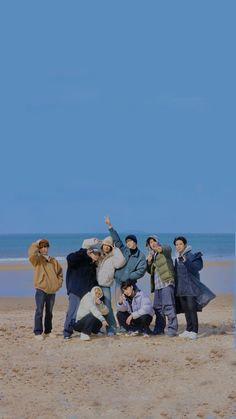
column 44, row 250
column 180, row 246
column 128, row 291
column 98, row 293
column 131, row 244
column 106, row 248
column 153, row 244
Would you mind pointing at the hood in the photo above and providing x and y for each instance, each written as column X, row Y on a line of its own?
column 108, row 241
column 93, row 292
column 154, row 237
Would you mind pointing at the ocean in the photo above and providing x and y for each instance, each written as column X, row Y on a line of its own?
column 14, row 247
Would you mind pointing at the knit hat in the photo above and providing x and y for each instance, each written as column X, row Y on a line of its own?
column 43, row 243
column 108, row 241
column 131, row 237
column 153, row 237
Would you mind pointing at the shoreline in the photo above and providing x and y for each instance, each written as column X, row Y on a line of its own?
column 27, row 266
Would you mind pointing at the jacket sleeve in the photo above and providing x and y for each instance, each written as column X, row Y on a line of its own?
column 118, row 259
column 140, row 269
column 88, row 243
column 116, row 238
column 59, row 273
column 94, row 310
column 146, row 308
column 33, row 253
column 74, row 259
column 194, row 265
column 123, row 307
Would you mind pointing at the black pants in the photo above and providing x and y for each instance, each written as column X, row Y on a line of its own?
column 141, row 324
column 88, row 324
column 190, row 310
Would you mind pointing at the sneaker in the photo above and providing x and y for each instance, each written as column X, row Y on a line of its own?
column 146, row 335
column 185, row 334
column 39, row 337
column 132, row 333
column 99, row 334
column 110, row 334
column 120, row 331
column 67, row 337
column 83, row 336
column 192, row 335
column 50, row 335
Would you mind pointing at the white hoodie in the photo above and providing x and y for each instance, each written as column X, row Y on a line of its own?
column 108, row 264
column 88, row 305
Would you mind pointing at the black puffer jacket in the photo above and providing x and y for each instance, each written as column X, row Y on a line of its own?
column 81, row 273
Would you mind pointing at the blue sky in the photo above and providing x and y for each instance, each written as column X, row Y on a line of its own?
column 123, row 108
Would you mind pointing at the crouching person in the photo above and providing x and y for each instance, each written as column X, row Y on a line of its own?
column 90, row 316
column 134, row 310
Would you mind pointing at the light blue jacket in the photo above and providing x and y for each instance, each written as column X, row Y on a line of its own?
column 140, row 305
column 136, row 264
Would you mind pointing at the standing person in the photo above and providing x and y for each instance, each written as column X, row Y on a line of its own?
column 111, row 259
column 48, row 278
column 135, row 266
column 90, row 317
column 135, row 310
column 80, row 279
column 161, row 268
column 192, row 294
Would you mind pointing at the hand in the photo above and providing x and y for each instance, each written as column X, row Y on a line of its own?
column 108, row 221
column 97, row 241
column 104, row 323
column 149, row 259
column 129, row 319
column 122, row 299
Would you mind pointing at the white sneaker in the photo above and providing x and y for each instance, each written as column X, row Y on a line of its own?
column 192, row 335
column 83, row 336
column 39, row 337
column 185, row 334
column 132, row 333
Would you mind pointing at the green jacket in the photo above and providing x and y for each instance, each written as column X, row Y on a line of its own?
column 163, row 264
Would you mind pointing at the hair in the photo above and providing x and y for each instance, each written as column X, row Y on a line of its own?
column 128, row 283
column 182, row 238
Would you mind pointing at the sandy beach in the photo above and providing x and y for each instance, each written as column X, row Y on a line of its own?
column 119, row 377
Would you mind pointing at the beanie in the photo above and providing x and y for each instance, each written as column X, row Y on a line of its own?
column 131, row 237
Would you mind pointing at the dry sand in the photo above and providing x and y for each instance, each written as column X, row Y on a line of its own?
column 119, row 377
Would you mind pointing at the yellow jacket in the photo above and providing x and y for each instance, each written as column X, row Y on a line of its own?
column 48, row 274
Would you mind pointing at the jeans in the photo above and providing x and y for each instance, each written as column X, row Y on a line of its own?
column 141, row 324
column 42, row 299
column 74, row 301
column 110, row 316
column 189, row 306
column 88, row 324
column 164, row 306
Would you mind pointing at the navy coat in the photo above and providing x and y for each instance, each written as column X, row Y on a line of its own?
column 81, row 273
column 188, row 280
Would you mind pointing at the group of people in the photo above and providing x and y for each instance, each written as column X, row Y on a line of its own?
column 91, row 272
